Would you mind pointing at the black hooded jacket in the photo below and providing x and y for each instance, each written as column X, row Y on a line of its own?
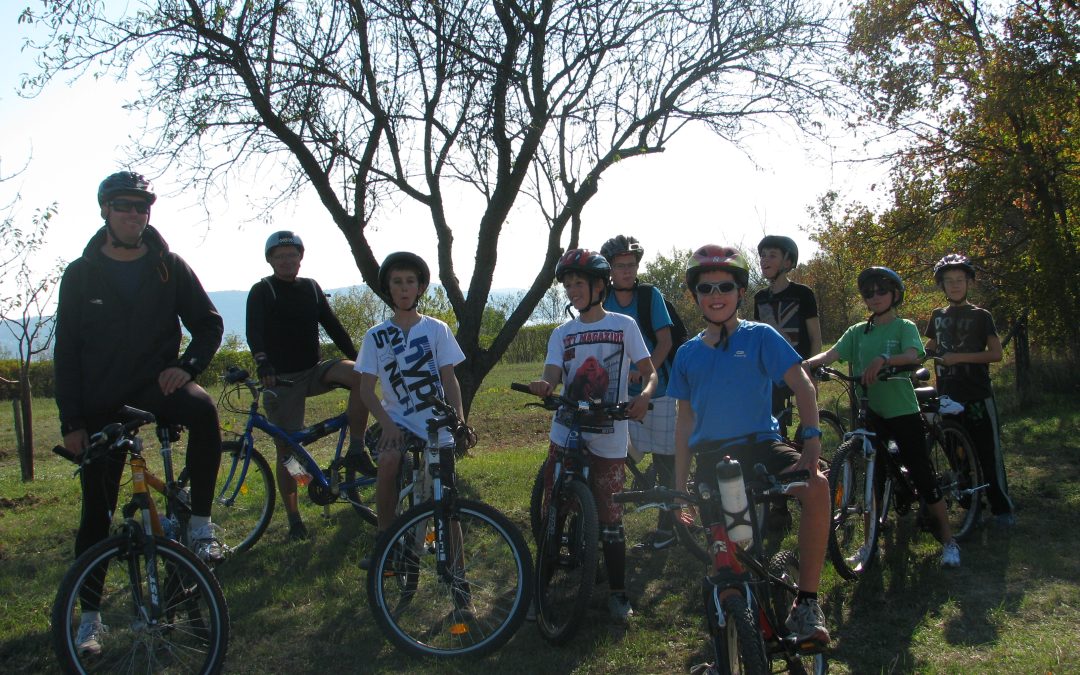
column 108, row 348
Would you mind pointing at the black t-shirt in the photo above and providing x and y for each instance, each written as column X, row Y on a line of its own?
column 962, row 329
column 787, row 312
column 283, row 320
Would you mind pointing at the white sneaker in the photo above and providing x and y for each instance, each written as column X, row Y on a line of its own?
column 206, row 545
column 88, row 641
column 950, row 554
column 859, row 557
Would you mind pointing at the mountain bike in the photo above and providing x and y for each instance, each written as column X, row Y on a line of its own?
column 867, row 479
column 450, row 576
column 162, row 606
column 566, row 527
column 246, row 494
column 746, row 594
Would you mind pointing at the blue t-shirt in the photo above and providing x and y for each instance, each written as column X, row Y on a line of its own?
column 660, row 319
column 730, row 390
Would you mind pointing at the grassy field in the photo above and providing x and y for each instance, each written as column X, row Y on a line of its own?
column 1014, row 606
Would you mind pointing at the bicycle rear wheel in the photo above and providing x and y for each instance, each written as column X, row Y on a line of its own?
column 566, row 562
column 244, row 502
column 958, row 472
column 854, row 528
column 188, row 634
column 471, row 610
column 785, row 566
column 737, row 645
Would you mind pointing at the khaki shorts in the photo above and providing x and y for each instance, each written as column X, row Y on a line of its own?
column 285, row 405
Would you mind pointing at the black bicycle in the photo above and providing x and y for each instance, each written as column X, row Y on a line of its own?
column 746, row 594
column 867, row 480
column 160, row 605
column 451, row 576
column 566, row 527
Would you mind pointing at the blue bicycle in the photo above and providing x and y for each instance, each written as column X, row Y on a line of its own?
column 245, row 500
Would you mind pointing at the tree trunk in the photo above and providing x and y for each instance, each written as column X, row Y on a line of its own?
column 26, row 452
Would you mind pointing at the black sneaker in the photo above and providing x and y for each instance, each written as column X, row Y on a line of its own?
column 359, row 460
column 297, row 531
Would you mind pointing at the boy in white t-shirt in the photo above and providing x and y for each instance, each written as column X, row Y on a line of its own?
column 411, row 356
column 591, row 357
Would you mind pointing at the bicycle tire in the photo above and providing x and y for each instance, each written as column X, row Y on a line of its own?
column 243, row 512
column 566, row 561
column 191, row 637
column 854, row 525
column 474, row 613
column 785, row 566
column 832, row 430
column 737, row 645
column 957, row 469
column 536, row 503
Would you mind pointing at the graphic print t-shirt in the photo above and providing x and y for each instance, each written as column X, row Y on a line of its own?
column 595, row 360
column 408, row 369
column 963, row 329
column 787, row 312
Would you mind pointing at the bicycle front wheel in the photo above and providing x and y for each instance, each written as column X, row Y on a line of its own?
column 959, row 475
column 853, row 530
column 566, row 562
column 185, row 631
column 244, row 500
column 475, row 605
column 737, row 644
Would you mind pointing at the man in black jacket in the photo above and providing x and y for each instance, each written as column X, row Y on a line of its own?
column 117, row 341
column 284, row 312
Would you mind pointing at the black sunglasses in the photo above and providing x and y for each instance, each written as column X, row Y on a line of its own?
column 871, row 292
column 125, row 206
column 706, row 288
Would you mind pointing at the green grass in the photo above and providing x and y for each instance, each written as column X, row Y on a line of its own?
column 1014, row 606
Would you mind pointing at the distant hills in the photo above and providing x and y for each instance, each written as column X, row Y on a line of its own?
column 233, row 308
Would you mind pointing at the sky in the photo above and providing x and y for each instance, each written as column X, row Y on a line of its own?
column 701, row 190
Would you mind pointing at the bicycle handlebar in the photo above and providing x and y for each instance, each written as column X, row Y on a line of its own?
column 110, row 437
column 616, row 411
column 885, row 373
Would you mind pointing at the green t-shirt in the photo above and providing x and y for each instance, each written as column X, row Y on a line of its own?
column 893, row 397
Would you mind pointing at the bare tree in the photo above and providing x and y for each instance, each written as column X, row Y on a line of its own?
column 373, row 103
column 23, row 310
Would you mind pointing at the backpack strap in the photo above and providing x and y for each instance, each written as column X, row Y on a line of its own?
column 644, row 310
column 273, row 293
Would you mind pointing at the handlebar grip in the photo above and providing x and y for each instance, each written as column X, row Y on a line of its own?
column 136, row 415
column 234, row 375
column 629, row 496
column 518, row 386
column 66, row 454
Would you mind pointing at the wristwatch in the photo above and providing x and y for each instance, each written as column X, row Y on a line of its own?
column 811, row 432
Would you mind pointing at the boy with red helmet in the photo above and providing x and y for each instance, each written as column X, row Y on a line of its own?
column 591, row 355
column 722, row 380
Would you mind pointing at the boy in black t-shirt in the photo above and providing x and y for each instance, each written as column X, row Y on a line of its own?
column 965, row 338
column 788, row 307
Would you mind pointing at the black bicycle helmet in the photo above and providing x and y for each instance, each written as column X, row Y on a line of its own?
column 283, row 238
column 584, row 262
column 882, row 276
column 953, row 261
column 786, row 244
column 621, row 245
column 712, row 257
column 398, row 260
column 125, row 182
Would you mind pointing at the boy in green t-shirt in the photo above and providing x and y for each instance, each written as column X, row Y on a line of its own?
column 887, row 340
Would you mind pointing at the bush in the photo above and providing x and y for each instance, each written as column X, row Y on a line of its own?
column 42, row 382
column 530, row 344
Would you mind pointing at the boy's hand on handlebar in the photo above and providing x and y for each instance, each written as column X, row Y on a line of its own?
column 76, row 441
column 541, row 388
column 870, row 375
column 638, row 407
column 172, row 379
